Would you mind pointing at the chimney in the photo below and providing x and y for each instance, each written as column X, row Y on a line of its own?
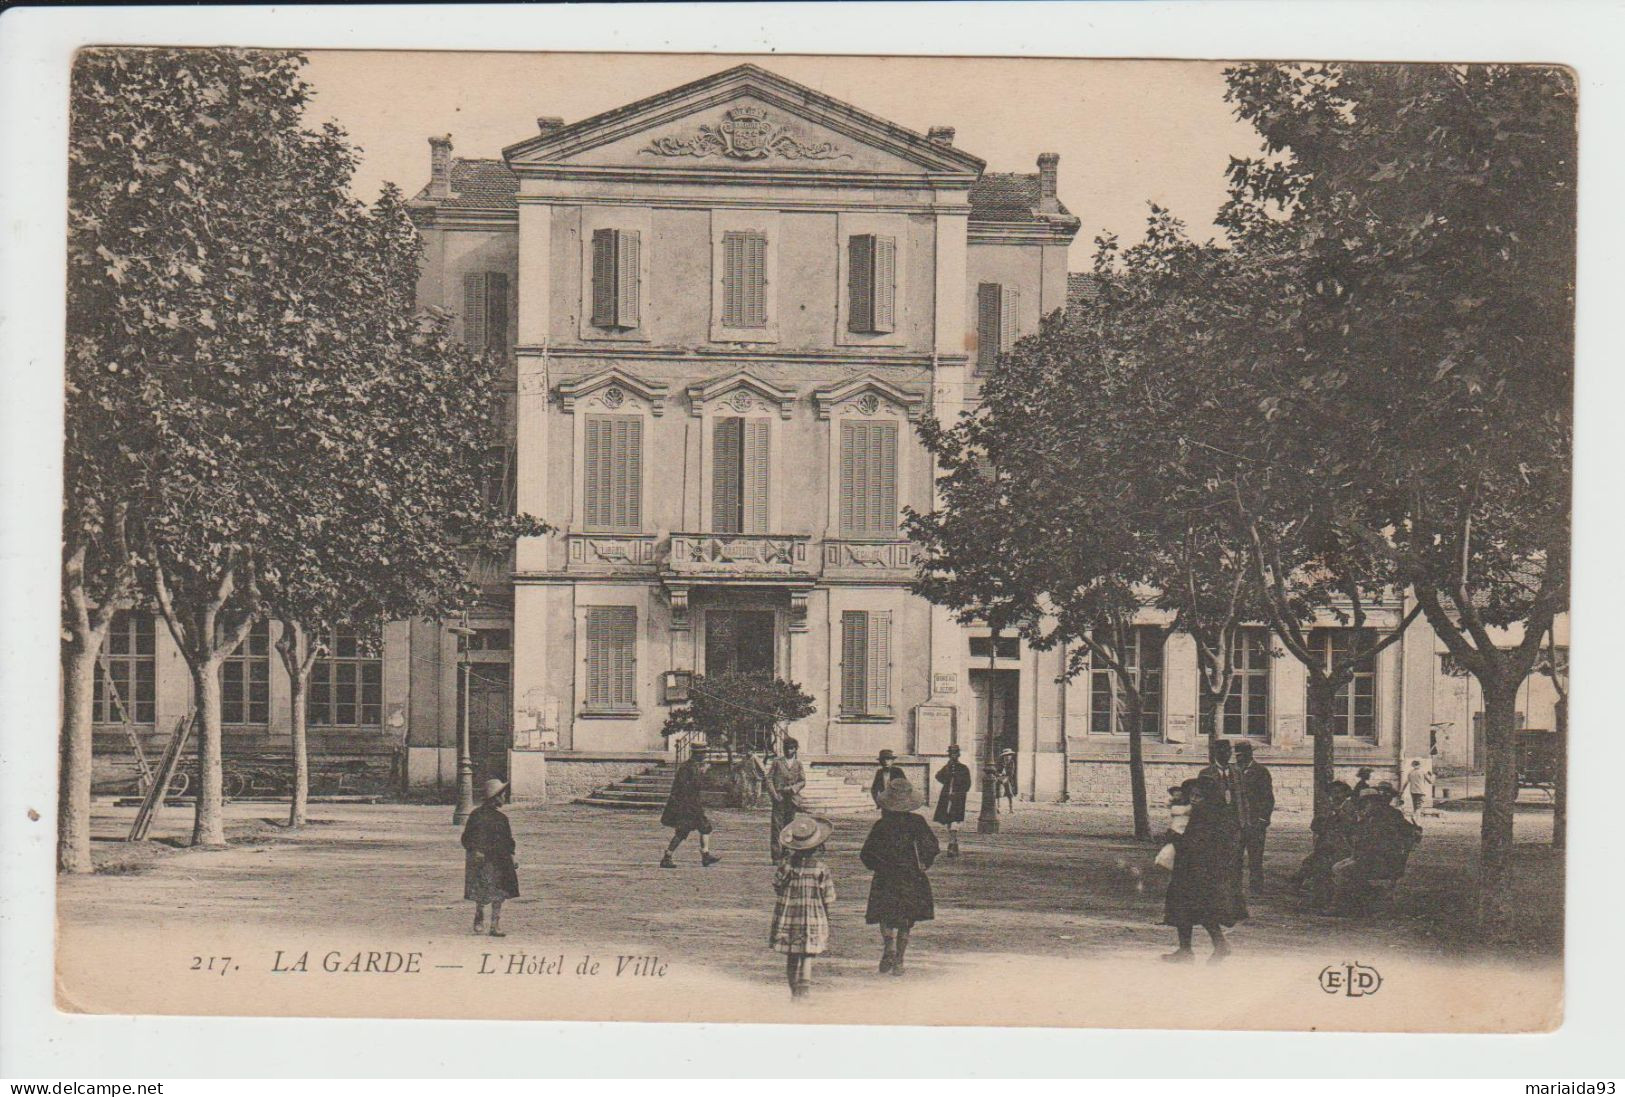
column 440, row 167
column 942, row 135
column 1048, row 165
column 547, row 123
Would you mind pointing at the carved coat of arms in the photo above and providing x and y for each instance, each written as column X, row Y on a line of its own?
column 745, row 133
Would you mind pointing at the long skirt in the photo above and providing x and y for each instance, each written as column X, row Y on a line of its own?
column 484, row 882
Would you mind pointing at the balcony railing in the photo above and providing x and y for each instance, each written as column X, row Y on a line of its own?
column 868, row 557
column 739, row 554
column 599, row 552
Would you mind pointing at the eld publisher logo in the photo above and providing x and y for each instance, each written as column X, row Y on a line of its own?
column 1354, row 980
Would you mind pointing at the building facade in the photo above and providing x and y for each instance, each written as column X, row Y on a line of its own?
column 726, row 308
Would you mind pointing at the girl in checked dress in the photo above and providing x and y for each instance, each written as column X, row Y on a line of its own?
column 806, row 891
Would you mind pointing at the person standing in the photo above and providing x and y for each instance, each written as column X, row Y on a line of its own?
column 1223, row 774
column 888, row 772
column 490, row 869
column 1007, row 778
column 954, row 777
column 1204, row 889
column 785, row 781
column 685, row 809
column 1362, row 781
column 1255, row 805
column 806, row 892
column 1419, row 787
column 899, row 850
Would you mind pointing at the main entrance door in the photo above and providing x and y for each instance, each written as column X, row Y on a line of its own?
column 995, row 694
column 739, row 641
column 490, row 731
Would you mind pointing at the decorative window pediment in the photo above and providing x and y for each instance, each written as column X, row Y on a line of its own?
column 869, row 397
column 612, row 390
column 740, row 394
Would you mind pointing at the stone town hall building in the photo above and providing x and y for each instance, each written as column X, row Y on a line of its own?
column 726, row 307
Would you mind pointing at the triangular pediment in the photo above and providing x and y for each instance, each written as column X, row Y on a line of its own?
column 743, row 119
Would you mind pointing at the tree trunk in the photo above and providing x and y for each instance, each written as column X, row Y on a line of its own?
column 209, row 826
column 1500, row 798
column 1136, row 767
column 73, row 788
column 1560, row 778
column 1321, row 693
column 299, row 800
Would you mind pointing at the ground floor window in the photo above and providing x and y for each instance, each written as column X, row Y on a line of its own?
column 126, row 689
column 1354, row 706
column 865, row 663
column 346, row 685
column 612, row 659
column 245, row 679
column 1143, row 660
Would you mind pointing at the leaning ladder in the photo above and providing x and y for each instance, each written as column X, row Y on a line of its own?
column 153, row 800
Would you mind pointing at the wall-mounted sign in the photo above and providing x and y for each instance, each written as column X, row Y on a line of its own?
column 933, row 729
column 947, row 682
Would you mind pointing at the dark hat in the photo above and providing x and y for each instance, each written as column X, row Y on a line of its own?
column 1244, row 747
column 1363, row 771
column 887, row 752
column 953, row 749
column 899, row 796
column 1387, row 789
column 1339, row 786
column 791, row 744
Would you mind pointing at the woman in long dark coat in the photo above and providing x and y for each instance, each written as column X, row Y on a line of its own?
column 1205, row 889
column 490, row 870
column 685, row 810
column 899, row 849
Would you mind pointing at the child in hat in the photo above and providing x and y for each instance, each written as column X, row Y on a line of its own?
column 806, row 891
column 490, row 870
column 1179, row 817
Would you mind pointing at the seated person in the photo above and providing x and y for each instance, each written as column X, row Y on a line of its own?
column 1379, row 845
column 1331, row 844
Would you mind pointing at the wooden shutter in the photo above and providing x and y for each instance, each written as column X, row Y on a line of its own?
column 612, row 644
column 860, row 262
column 744, row 279
column 727, row 469
column 604, row 298
column 885, row 285
column 496, row 314
column 883, row 511
column 851, row 438
column 879, row 664
column 474, row 309
column 754, row 477
column 854, row 662
column 612, row 473
column 989, row 320
column 628, row 278
column 1007, row 319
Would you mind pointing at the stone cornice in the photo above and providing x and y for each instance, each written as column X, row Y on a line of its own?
column 912, row 403
column 1008, row 232
column 702, row 394
column 778, row 203
column 857, row 356
column 823, row 177
column 651, row 392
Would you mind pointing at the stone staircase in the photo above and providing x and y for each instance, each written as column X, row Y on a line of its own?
column 828, row 792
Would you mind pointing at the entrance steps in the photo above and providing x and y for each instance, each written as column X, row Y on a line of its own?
column 828, row 792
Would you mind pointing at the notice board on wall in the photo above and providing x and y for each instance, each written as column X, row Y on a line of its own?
column 933, row 728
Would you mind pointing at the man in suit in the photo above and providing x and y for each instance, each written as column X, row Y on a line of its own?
column 785, row 780
column 1255, row 803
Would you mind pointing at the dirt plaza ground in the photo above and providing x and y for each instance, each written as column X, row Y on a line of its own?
column 1059, row 888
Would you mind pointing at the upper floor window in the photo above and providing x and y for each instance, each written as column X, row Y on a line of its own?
column 994, row 328
column 613, row 473
column 1246, row 707
column 611, row 662
column 865, row 663
column 485, row 312
column 346, row 685
column 739, row 475
column 245, row 679
column 868, row 486
column 744, row 279
column 1354, row 705
column 616, row 286
column 1143, row 661
column 126, row 679
column 872, row 292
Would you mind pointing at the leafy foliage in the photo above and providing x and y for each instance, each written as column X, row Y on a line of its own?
column 738, row 711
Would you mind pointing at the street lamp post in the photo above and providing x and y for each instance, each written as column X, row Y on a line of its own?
column 465, row 759
column 988, row 821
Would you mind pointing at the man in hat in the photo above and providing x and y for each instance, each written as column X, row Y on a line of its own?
column 888, row 772
column 1255, row 805
column 685, row 809
column 1007, row 777
column 490, row 869
column 785, row 780
column 954, row 777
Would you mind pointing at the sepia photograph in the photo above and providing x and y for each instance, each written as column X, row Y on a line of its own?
column 816, row 539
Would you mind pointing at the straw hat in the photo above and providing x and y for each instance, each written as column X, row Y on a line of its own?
column 493, row 788
column 899, row 796
column 806, row 832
